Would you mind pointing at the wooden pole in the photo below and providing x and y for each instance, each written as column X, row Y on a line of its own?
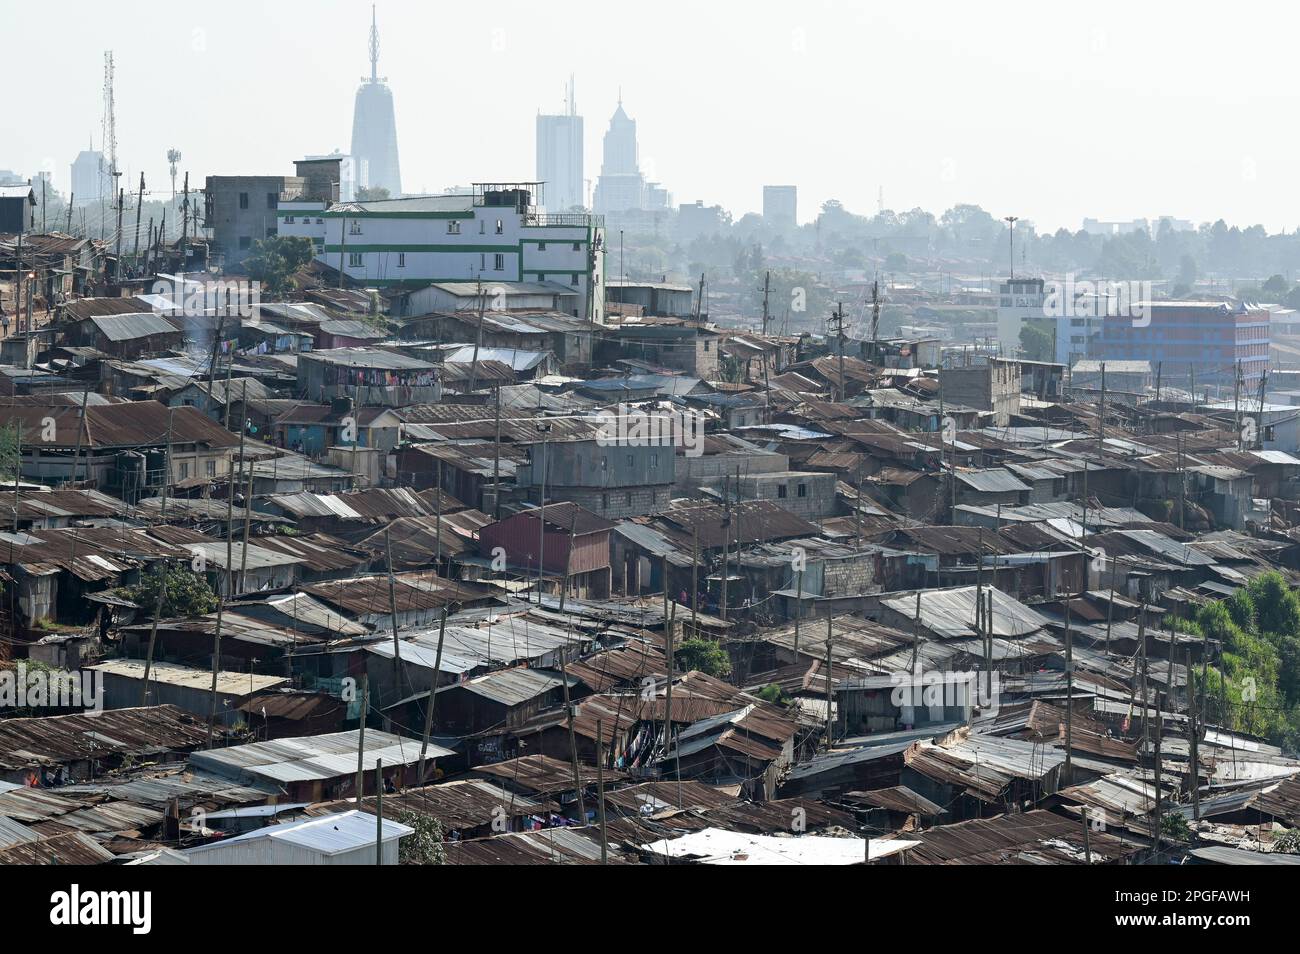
column 379, row 811
column 161, row 599
column 600, row 793
column 428, row 712
column 361, row 737
column 830, row 690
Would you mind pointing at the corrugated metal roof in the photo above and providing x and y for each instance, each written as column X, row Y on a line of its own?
column 171, row 674
column 326, row 834
column 312, row 758
column 992, row 481
column 129, row 327
column 950, row 613
column 511, row 687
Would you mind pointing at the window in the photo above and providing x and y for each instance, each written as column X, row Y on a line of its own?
column 577, row 246
column 354, row 227
column 573, row 279
column 272, row 200
column 781, row 491
column 628, row 499
column 707, row 343
column 245, row 241
column 631, row 461
column 541, row 276
column 654, row 460
column 501, row 226
column 453, row 227
column 803, row 490
column 320, row 221
column 243, row 200
column 482, row 261
column 541, row 246
column 185, row 470
column 499, row 262
column 482, row 227
column 604, row 501
column 210, row 468
column 354, row 259
column 401, row 259
column 289, row 220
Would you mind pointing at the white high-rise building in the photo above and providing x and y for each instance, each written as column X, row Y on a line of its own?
column 559, row 157
column 1019, row 300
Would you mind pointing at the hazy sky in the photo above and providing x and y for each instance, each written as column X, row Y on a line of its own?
column 1051, row 111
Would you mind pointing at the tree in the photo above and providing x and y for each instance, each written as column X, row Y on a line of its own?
column 704, row 655
column 10, row 455
column 424, row 845
column 1276, row 286
column 275, row 259
column 373, row 194
column 185, row 593
column 1036, row 342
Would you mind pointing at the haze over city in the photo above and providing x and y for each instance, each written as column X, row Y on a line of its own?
column 1037, row 110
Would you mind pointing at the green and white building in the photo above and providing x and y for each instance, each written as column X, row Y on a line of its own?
column 493, row 234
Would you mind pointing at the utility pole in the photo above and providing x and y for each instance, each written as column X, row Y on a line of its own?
column 1101, row 418
column 1236, row 403
column 117, row 268
column 379, row 811
column 1069, row 694
column 669, row 621
column 830, row 690
column 496, row 460
column 139, row 209
column 478, row 341
column 1193, row 736
column 837, row 325
column 726, row 541
column 1142, row 651
column 161, row 598
column 1160, row 731
column 185, row 217
column 875, row 321
column 361, row 737
column 392, row 607
column 541, row 520
column 695, row 582
column 767, row 285
column 600, row 793
column 433, row 696
column 1011, row 221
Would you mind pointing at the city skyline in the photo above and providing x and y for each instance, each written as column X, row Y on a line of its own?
column 1093, row 98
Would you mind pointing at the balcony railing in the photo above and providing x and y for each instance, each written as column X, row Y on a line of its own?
column 576, row 219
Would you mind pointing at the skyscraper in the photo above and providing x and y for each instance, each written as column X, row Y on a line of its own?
column 781, row 205
column 374, row 128
column 559, row 156
column 87, row 181
column 621, row 186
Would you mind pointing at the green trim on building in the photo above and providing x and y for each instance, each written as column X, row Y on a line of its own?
column 482, row 249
